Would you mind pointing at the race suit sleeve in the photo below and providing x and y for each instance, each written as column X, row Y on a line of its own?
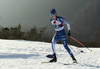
column 66, row 22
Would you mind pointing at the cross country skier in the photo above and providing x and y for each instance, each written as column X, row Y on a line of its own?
column 58, row 23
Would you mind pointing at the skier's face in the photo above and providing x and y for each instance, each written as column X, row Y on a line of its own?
column 53, row 16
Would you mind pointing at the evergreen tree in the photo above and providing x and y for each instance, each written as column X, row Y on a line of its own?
column 4, row 34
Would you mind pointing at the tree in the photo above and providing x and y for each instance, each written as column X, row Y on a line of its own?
column 16, row 33
column 41, row 33
column 19, row 27
column 32, row 34
column 4, row 33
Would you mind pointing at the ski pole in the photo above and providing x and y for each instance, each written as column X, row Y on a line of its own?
column 80, row 43
column 71, row 48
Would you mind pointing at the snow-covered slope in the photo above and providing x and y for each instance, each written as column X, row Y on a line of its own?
column 20, row 54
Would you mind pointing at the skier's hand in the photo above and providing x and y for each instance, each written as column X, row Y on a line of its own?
column 69, row 34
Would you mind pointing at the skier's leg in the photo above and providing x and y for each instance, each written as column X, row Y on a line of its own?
column 63, row 38
column 55, row 39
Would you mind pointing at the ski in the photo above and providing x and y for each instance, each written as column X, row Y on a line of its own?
column 47, row 62
column 69, row 63
column 62, row 63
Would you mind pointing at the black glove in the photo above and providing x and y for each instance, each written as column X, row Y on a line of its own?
column 69, row 34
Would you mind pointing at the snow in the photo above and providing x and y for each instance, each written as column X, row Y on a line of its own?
column 21, row 54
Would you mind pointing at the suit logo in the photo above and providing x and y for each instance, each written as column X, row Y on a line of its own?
column 54, row 22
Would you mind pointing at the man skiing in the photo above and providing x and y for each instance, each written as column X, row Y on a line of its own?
column 58, row 23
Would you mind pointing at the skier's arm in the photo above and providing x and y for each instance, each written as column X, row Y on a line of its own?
column 68, row 26
column 67, row 23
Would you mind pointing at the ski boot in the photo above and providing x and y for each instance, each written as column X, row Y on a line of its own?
column 74, row 60
column 54, row 58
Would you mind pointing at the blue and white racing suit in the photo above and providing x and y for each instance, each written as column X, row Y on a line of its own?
column 60, row 33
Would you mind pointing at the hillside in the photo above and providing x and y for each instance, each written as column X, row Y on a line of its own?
column 86, row 23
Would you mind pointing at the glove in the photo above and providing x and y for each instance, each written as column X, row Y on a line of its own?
column 69, row 34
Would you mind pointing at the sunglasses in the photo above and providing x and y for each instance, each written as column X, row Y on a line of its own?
column 51, row 14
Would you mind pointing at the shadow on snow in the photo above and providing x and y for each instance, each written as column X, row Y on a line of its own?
column 89, row 65
column 24, row 56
